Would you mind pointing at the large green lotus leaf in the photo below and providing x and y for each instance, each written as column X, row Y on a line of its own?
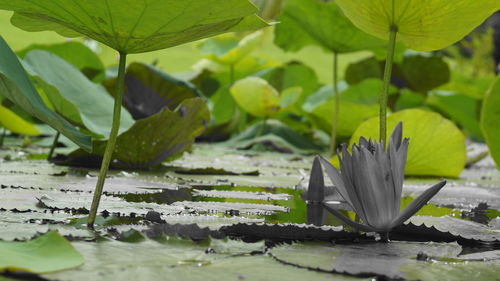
column 256, row 96
column 437, row 146
column 423, row 25
column 408, row 99
column 76, row 54
column 321, row 23
column 462, row 109
column 47, row 253
column 424, row 72
column 17, row 87
column 148, row 90
column 12, row 122
column 69, row 85
column 161, row 137
column 490, row 114
column 230, row 48
column 137, row 26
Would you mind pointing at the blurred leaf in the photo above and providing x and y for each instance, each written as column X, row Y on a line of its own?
column 364, row 69
column 313, row 22
column 408, row 99
column 161, row 137
column 462, row 109
column 75, row 53
column 73, row 95
column 10, row 121
column 358, row 103
column 48, row 253
column 230, row 48
column 490, row 114
column 421, row 25
column 140, row 26
column 275, row 136
column 424, row 72
column 148, row 90
column 17, row 87
column 437, row 146
column 259, row 98
column 291, row 75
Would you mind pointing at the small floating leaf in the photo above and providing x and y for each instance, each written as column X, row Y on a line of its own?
column 47, row 253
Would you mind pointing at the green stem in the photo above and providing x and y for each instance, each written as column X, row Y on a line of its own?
column 336, row 111
column 387, row 81
column 110, row 146
column 54, row 144
column 2, row 137
column 263, row 128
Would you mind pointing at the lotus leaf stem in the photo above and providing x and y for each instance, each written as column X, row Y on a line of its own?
column 54, row 144
column 387, row 81
column 110, row 146
column 2, row 136
column 336, row 111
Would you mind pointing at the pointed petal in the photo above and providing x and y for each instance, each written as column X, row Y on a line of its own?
column 398, row 163
column 335, row 177
column 346, row 168
column 346, row 220
column 363, row 142
column 316, row 189
column 397, row 136
column 417, row 204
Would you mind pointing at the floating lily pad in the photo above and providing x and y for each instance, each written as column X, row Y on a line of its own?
column 437, row 146
column 47, row 253
column 387, row 260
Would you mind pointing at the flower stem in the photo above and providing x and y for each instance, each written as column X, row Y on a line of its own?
column 110, row 146
column 336, row 111
column 54, row 144
column 2, row 136
column 387, row 81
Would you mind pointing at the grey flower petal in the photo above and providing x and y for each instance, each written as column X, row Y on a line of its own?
column 371, row 182
column 396, row 136
column 346, row 169
column 398, row 162
column 417, row 204
column 316, row 189
column 336, row 179
column 346, row 220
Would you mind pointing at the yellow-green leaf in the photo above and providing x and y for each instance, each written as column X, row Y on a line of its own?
column 10, row 121
column 256, row 96
column 490, row 116
column 423, row 25
column 437, row 146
